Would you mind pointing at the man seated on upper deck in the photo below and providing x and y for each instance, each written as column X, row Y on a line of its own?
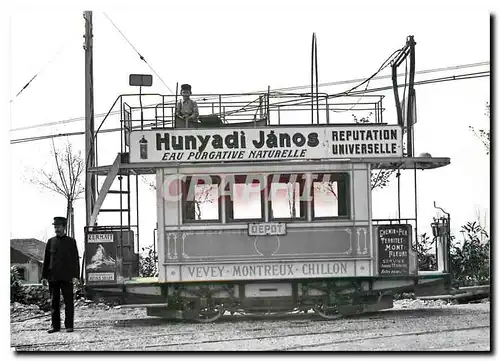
column 186, row 109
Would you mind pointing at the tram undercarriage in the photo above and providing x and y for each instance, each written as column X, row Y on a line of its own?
column 206, row 302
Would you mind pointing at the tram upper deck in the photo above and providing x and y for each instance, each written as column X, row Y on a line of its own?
column 251, row 110
column 269, row 127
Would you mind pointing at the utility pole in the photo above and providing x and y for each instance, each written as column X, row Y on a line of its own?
column 411, row 97
column 90, row 186
column 406, row 120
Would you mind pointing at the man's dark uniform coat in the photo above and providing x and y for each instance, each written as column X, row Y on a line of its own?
column 60, row 265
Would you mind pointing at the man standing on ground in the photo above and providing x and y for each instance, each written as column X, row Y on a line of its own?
column 61, row 266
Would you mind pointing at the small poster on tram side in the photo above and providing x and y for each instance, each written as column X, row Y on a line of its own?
column 100, row 257
column 393, row 249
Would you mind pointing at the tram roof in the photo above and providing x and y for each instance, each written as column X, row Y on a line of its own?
column 402, row 163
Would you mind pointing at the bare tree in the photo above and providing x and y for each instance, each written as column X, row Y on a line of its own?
column 64, row 179
column 380, row 177
column 330, row 188
column 292, row 207
column 202, row 195
column 151, row 185
column 482, row 221
column 482, row 134
column 327, row 186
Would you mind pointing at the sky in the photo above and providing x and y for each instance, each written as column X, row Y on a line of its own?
column 221, row 47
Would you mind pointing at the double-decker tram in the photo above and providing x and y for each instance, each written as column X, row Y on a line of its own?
column 260, row 209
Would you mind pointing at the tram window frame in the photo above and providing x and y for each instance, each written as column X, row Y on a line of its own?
column 229, row 188
column 334, row 176
column 186, row 184
column 300, row 179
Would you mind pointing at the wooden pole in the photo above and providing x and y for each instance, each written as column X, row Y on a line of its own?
column 90, row 186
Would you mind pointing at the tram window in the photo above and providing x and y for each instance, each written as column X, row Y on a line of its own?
column 284, row 196
column 330, row 195
column 201, row 200
column 245, row 199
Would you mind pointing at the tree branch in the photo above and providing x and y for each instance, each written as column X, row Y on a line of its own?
column 80, row 188
column 52, row 184
column 69, row 161
column 60, row 170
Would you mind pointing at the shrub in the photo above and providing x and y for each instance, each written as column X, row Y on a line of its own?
column 470, row 260
column 16, row 288
column 148, row 263
column 37, row 295
column 426, row 261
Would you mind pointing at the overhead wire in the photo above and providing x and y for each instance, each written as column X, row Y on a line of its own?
column 140, row 55
column 344, row 93
column 340, row 82
column 66, row 121
column 382, row 67
column 279, row 90
column 47, row 63
column 422, row 82
column 274, row 91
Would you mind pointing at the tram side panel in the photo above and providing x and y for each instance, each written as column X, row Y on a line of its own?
column 227, row 252
column 360, row 193
column 234, row 255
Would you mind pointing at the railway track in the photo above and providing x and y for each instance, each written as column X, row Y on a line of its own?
column 420, row 333
column 268, row 328
column 237, row 333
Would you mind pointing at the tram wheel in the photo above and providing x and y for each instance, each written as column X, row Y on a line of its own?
column 328, row 313
column 209, row 314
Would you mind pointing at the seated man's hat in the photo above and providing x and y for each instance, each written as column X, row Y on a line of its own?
column 186, row 87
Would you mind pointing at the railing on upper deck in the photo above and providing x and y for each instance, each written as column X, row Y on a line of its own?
column 248, row 109
column 149, row 111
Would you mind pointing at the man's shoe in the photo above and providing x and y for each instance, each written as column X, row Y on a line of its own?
column 69, row 329
column 52, row 330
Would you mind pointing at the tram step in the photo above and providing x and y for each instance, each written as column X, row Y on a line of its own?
column 145, row 305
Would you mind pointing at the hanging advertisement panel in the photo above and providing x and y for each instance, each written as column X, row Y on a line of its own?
column 269, row 143
column 100, row 257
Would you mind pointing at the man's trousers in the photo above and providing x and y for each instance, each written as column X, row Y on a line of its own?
column 55, row 288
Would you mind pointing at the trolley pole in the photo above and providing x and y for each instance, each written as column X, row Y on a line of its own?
column 90, row 186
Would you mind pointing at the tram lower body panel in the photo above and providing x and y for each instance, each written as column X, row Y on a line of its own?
column 333, row 271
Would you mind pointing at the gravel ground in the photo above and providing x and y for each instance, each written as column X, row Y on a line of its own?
column 409, row 326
